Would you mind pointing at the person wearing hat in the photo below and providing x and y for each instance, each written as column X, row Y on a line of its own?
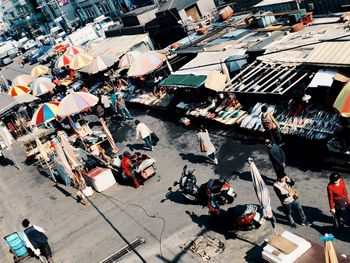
column 277, row 157
column 338, row 197
column 289, row 200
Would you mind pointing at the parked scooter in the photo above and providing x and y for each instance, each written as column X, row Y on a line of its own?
column 220, row 189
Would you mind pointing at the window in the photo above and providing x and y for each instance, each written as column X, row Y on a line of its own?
column 104, row 7
column 193, row 12
column 89, row 11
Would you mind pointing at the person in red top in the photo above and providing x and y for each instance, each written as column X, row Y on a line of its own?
column 338, row 197
column 127, row 169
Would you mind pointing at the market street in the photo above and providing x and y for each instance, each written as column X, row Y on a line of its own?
column 119, row 214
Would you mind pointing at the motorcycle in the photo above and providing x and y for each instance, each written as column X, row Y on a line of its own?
column 219, row 189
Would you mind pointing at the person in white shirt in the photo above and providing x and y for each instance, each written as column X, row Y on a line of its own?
column 145, row 133
column 105, row 99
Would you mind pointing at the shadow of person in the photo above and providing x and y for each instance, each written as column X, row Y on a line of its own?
column 137, row 147
column 177, row 197
column 193, row 158
column 247, row 176
column 6, row 161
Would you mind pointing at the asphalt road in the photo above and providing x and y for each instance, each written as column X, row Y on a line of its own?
column 167, row 222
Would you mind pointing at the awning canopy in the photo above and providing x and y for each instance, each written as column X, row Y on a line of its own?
column 209, row 61
column 335, row 54
column 323, row 78
column 25, row 98
column 6, row 103
column 119, row 45
column 184, row 80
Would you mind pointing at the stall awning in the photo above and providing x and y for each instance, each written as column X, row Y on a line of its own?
column 184, row 80
column 119, row 45
column 6, row 103
column 25, row 98
column 330, row 54
column 209, row 61
column 323, row 78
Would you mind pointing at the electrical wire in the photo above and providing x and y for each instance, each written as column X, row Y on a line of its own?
column 148, row 215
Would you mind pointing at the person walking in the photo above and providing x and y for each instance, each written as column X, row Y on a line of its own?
column 206, row 145
column 271, row 126
column 338, row 198
column 289, row 200
column 277, row 157
column 120, row 106
column 145, row 133
column 37, row 236
column 100, row 112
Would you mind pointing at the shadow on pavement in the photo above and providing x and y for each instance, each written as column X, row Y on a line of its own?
column 193, row 158
column 136, row 147
column 247, row 176
column 5, row 161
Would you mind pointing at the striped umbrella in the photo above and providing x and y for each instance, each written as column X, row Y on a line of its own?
column 262, row 193
column 146, row 63
column 42, row 86
column 73, row 50
column 18, row 90
column 128, row 58
column 39, row 71
column 100, row 63
column 45, row 113
column 24, row 79
column 63, row 61
column 342, row 103
column 76, row 102
column 109, row 136
column 80, row 60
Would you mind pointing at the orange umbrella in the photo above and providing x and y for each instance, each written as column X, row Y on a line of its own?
column 18, row 90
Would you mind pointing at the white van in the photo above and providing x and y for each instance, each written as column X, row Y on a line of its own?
column 57, row 34
column 103, row 22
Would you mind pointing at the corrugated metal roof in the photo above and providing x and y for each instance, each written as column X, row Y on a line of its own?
column 6, row 103
column 331, row 54
column 272, row 2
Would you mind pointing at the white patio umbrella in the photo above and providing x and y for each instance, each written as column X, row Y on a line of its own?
column 262, row 193
column 76, row 102
column 23, row 79
column 100, row 63
column 127, row 59
column 42, row 86
column 146, row 63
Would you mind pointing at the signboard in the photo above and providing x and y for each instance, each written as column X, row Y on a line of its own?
column 62, row 2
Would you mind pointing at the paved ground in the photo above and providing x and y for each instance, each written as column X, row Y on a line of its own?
column 120, row 214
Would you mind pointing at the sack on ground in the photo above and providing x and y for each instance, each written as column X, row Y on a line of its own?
column 202, row 146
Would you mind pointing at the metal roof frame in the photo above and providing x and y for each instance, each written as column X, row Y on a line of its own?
column 265, row 78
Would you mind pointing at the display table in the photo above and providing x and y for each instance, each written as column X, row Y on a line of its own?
column 100, row 178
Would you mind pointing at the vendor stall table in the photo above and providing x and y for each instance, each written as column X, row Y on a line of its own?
column 67, row 82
